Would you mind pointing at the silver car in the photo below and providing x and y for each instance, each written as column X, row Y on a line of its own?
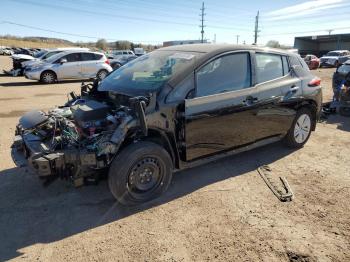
column 70, row 65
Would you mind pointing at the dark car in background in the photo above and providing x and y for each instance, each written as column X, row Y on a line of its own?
column 339, row 78
column 171, row 109
column 334, row 58
column 120, row 61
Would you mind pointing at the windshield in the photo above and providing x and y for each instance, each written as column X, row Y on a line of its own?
column 148, row 73
column 333, row 54
column 39, row 54
column 344, row 69
column 53, row 58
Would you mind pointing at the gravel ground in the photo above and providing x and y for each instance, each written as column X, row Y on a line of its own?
column 222, row 211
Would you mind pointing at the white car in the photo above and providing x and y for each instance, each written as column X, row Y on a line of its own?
column 70, row 65
column 6, row 51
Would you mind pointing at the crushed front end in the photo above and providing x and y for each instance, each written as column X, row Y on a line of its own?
column 77, row 141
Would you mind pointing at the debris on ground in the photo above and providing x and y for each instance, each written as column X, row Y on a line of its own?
column 283, row 193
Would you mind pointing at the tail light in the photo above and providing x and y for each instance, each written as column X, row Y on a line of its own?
column 315, row 82
column 107, row 62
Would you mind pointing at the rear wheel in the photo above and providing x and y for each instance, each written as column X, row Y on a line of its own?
column 141, row 172
column 116, row 65
column 101, row 74
column 48, row 77
column 300, row 131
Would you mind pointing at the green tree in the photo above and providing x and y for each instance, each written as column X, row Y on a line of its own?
column 102, row 44
column 273, row 44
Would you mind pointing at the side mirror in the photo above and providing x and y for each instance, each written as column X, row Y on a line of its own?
column 63, row 60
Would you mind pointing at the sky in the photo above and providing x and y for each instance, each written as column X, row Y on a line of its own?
column 152, row 21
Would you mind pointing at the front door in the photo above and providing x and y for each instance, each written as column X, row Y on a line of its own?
column 220, row 117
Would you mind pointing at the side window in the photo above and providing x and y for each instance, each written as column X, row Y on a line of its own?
column 227, row 73
column 88, row 57
column 74, row 57
column 125, row 53
column 268, row 67
column 286, row 68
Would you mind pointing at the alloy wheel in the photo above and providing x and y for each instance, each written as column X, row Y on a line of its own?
column 302, row 128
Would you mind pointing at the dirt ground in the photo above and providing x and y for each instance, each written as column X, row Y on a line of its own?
column 222, row 211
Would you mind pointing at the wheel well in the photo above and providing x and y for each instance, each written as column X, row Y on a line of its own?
column 48, row 71
column 158, row 137
column 312, row 106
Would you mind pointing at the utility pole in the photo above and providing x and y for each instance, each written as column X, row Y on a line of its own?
column 214, row 39
column 202, row 22
column 237, row 36
column 256, row 31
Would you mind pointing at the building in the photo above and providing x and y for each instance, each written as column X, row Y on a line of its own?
column 183, row 42
column 321, row 44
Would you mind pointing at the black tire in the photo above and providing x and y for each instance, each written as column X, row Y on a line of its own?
column 116, row 66
column 48, row 77
column 127, row 173
column 290, row 139
column 101, row 74
column 344, row 111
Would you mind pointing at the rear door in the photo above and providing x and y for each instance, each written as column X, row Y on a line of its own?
column 89, row 64
column 274, row 95
column 70, row 69
column 220, row 115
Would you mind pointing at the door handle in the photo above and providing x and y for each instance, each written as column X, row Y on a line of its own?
column 294, row 89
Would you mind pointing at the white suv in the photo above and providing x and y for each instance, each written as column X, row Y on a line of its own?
column 70, row 65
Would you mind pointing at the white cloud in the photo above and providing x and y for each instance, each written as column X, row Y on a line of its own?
column 305, row 8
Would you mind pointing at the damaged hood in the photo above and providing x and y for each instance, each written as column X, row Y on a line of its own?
column 105, row 86
column 21, row 56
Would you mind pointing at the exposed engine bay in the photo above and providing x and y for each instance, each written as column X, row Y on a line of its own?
column 81, row 138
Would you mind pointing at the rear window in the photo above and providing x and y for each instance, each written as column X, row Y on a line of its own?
column 90, row 56
column 269, row 67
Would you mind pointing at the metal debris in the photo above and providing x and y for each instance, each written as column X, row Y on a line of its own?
column 287, row 195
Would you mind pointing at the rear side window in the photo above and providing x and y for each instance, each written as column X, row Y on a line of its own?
column 294, row 61
column 88, row 57
column 227, row 73
column 285, row 65
column 268, row 67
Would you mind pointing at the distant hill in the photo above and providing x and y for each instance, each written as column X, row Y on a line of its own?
column 33, row 41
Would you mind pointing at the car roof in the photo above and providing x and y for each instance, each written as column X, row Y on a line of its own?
column 209, row 51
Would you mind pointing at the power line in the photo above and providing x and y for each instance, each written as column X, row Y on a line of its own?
column 70, row 34
column 308, row 32
column 110, row 15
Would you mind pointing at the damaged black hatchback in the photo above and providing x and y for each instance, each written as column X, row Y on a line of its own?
column 169, row 110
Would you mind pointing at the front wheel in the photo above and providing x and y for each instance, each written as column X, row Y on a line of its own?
column 48, row 77
column 140, row 172
column 300, row 131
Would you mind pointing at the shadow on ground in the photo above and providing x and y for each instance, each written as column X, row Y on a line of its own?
column 342, row 122
column 32, row 83
column 31, row 213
